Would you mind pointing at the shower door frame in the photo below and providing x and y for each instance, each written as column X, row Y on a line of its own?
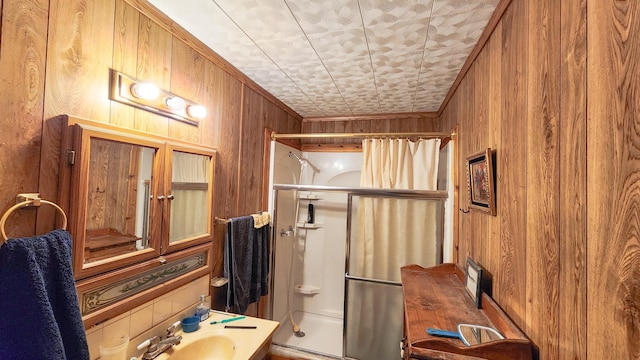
column 440, row 195
column 433, row 195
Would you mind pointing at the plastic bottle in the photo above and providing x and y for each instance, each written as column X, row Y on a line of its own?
column 202, row 310
column 310, row 214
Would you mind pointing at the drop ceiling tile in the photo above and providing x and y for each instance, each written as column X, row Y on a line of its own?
column 396, row 107
column 363, row 108
column 434, row 86
column 326, row 16
column 457, row 31
column 357, row 69
column 289, row 51
column 470, row 7
column 384, row 12
column 398, row 38
column 340, row 45
column 389, row 64
column 191, row 15
column 269, row 78
column 312, row 77
column 245, row 57
column 358, row 92
column 261, row 20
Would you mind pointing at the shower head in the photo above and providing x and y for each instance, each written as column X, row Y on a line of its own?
column 292, row 155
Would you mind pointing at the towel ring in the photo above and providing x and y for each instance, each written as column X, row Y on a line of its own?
column 25, row 204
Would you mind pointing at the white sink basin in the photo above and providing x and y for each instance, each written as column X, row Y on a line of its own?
column 215, row 347
column 215, row 341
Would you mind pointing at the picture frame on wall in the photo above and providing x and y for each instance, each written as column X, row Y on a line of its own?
column 473, row 282
column 481, row 182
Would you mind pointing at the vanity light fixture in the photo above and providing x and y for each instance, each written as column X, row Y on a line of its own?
column 146, row 91
column 174, row 103
column 149, row 97
column 197, row 111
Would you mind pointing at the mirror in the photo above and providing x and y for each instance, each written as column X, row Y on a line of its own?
column 190, row 187
column 119, row 181
column 477, row 334
column 469, row 334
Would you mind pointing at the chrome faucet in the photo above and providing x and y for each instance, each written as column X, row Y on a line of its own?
column 156, row 346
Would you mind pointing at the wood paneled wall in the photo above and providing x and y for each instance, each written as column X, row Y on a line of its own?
column 613, row 179
column 360, row 124
column 563, row 248
column 55, row 58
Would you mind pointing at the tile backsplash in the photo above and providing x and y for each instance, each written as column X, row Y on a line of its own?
column 144, row 317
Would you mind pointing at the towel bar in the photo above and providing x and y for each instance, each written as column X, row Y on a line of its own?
column 28, row 200
column 222, row 220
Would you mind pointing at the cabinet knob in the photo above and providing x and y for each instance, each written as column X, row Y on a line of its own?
column 162, row 260
column 170, row 197
column 161, row 197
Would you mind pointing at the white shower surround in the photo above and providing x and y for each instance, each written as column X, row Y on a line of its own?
column 320, row 253
column 323, row 259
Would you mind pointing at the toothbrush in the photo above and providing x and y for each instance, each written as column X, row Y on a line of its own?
column 228, row 320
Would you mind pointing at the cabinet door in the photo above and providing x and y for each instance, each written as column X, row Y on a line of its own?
column 188, row 197
column 114, row 179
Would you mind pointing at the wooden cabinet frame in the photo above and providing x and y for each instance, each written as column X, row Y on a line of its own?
column 191, row 255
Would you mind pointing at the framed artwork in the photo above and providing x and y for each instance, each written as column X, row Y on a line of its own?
column 473, row 281
column 480, row 182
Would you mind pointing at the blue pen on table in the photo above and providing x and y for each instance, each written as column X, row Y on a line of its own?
column 227, row 320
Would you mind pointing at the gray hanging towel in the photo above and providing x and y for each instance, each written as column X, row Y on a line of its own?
column 245, row 263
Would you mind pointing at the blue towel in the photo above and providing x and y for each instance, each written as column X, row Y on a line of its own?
column 39, row 311
column 246, row 263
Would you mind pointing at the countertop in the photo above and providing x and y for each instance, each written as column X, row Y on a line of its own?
column 249, row 343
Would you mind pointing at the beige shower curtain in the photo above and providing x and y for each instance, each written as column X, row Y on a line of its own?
column 400, row 164
column 387, row 234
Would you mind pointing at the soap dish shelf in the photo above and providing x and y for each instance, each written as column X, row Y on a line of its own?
column 309, row 196
column 304, row 225
column 306, row 289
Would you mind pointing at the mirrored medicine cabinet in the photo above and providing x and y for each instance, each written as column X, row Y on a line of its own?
column 136, row 203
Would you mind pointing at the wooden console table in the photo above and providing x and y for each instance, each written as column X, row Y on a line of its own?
column 435, row 298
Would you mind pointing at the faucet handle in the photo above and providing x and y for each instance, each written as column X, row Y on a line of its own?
column 171, row 329
column 153, row 341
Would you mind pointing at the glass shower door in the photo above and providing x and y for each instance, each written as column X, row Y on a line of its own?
column 386, row 230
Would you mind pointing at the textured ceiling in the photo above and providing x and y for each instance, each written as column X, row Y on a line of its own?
column 341, row 57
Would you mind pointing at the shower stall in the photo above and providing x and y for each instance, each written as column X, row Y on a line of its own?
column 321, row 294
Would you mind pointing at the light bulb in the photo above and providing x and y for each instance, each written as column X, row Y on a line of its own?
column 145, row 91
column 197, row 111
column 174, row 103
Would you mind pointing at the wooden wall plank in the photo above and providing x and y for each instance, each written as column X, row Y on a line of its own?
column 470, row 136
column 613, row 178
column 512, row 160
column 80, row 50
column 542, row 242
column 228, row 149
column 492, row 261
column 23, row 42
column 480, row 117
column 250, row 157
column 214, row 82
column 154, row 65
column 225, row 107
column 187, row 81
column 125, row 45
column 572, row 294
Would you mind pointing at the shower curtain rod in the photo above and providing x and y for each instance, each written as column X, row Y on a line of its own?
column 276, row 135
